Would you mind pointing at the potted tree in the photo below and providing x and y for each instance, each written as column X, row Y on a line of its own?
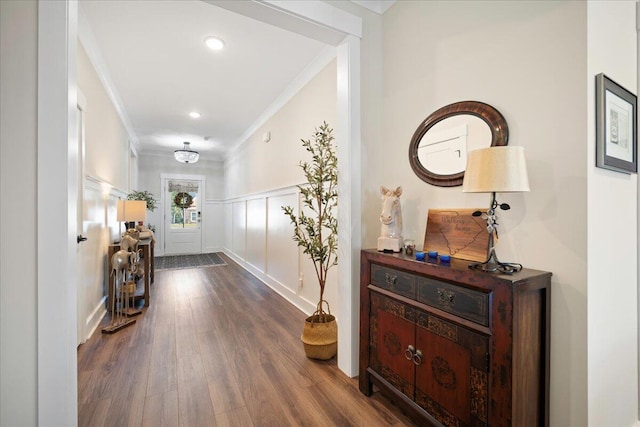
column 316, row 231
column 144, row 195
column 149, row 198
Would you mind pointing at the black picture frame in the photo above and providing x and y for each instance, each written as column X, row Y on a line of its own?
column 616, row 127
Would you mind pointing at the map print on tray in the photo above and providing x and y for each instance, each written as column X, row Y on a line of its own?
column 457, row 233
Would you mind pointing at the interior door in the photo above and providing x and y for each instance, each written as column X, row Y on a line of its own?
column 183, row 216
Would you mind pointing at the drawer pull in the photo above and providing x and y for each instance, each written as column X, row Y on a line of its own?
column 391, row 280
column 409, row 352
column 417, row 358
column 446, row 297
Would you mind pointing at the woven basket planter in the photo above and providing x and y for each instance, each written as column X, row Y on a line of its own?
column 320, row 339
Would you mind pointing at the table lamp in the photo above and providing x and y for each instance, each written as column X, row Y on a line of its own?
column 130, row 211
column 495, row 170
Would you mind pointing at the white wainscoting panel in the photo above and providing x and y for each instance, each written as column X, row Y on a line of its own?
column 270, row 252
column 91, row 308
column 101, row 227
column 283, row 255
column 257, row 233
column 228, row 227
column 239, row 234
column 114, row 228
column 155, row 219
column 213, row 224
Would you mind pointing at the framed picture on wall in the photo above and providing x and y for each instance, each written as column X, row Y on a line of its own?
column 616, row 127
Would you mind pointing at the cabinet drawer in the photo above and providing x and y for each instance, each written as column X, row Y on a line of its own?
column 466, row 303
column 392, row 280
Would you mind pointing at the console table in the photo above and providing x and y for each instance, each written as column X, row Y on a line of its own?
column 454, row 346
column 147, row 255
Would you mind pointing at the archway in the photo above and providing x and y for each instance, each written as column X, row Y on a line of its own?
column 57, row 87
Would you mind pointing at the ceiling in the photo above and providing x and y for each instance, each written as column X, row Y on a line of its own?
column 152, row 59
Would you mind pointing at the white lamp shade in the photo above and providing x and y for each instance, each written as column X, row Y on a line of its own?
column 131, row 210
column 496, row 169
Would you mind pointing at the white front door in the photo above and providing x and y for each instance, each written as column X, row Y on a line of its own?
column 183, row 216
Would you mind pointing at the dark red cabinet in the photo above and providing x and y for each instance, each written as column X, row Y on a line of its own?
column 453, row 346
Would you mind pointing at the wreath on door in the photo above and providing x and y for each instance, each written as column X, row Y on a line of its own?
column 183, row 200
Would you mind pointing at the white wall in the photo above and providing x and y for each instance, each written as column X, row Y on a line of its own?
column 261, row 177
column 256, row 166
column 107, row 143
column 152, row 165
column 214, row 228
column 18, row 263
column 133, row 169
column 612, row 223
column 527, row 59
column 107, row 173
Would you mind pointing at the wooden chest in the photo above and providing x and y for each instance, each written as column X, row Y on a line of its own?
column 454, row 346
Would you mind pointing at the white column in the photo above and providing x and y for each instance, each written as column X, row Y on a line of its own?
column 57, row 194
column 349, row 189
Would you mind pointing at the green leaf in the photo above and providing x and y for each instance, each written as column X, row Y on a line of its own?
column 316, row 232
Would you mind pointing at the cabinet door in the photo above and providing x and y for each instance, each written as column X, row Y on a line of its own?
column 392, row 331
column 452, row 375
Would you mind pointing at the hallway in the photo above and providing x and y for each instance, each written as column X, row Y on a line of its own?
column 217, row 347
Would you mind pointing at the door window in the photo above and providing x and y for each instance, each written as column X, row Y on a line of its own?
column 184, row 204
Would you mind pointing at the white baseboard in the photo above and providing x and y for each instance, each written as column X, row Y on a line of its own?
column 95, row 317
column 302, row 304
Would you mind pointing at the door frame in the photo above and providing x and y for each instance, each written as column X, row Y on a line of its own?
column 56, row 163
column 56, row 283
column 82, row 309
column 335, row 27
column 164, row 177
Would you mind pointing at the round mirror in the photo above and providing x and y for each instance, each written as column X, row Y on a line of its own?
column 438, row 149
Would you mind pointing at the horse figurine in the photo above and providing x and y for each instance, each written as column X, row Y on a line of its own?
column 391, row 219
column 124, row 264
column 128, row 243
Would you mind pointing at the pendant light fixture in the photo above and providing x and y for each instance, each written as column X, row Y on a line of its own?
column 186, row 154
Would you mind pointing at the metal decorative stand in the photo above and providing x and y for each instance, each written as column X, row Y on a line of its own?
column 129, row 290
column 123, row 263
column 492, row 264
column 119, row 307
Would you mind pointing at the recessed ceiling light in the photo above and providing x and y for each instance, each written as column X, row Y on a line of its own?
column 214, row 43
column 194, row 115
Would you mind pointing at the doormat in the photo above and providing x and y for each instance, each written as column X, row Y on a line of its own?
column 187, row 261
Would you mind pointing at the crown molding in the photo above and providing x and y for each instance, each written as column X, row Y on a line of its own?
column 377, row 6
column 88, row 41
column 312, row 70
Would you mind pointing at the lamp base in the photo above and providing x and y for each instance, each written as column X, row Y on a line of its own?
column 493, row 265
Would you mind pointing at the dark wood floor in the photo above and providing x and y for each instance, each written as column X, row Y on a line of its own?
column 217, row 347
